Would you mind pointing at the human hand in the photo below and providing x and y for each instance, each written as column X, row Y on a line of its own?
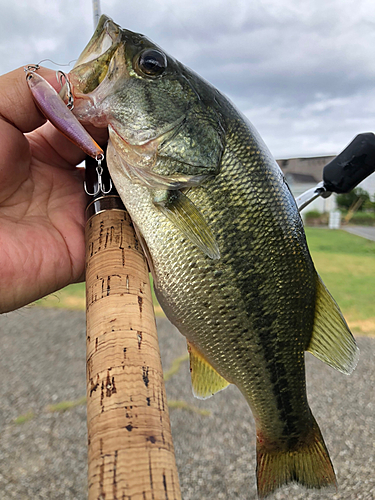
column 42, row 201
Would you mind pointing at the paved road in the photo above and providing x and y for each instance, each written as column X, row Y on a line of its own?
column 42, row 361
column 367, row 232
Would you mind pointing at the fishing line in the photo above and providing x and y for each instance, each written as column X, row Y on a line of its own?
column 56, row 64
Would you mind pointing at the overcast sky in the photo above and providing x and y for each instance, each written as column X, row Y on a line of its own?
column 302, row 71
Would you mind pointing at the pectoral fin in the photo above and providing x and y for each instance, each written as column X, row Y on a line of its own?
column 332, row 341
column 183, row 214
column 205, row 379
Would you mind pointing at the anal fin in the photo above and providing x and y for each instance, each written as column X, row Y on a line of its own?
column 205, row 379
column 332, row 341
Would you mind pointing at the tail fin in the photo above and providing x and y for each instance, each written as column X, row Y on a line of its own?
column 307, row 463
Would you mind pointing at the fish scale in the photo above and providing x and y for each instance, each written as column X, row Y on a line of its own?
column 224, row 241
column 239, row 313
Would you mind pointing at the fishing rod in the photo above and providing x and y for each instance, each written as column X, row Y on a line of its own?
column 127, row 414
column 96, row 12
column 345, row 171
column 130, row 448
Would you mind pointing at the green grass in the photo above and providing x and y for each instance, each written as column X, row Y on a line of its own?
column 183, row 405
column 70, row 297
column 24, row 418
column 338, row 242
column 66, row 405
column 346, row 264
column 74, row 297
column 176, row 365
column 63, row 406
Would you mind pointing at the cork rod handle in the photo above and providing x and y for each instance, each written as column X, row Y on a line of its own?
column 130, row 449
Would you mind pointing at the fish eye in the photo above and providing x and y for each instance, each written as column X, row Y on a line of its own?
column 152, row 63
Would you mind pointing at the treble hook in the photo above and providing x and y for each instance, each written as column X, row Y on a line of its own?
column 101, row 187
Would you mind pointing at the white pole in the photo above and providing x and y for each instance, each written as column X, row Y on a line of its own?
column 96, row 9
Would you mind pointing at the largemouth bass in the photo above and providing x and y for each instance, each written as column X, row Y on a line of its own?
column 224, row 241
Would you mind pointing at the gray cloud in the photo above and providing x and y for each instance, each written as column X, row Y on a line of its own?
column 302, row 72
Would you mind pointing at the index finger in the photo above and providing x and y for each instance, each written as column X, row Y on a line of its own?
column 18, row 114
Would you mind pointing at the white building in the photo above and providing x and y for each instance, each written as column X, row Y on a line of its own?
column 305, row 173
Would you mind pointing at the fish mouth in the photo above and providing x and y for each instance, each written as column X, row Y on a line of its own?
column 100, row 71
column 93, row 64
column 105, row 35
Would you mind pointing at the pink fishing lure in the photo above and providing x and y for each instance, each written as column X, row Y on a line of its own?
column 55, row 110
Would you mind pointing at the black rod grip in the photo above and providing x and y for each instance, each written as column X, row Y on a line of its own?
column 352, row 165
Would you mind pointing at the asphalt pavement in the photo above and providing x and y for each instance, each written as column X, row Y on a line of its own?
column 43, row 453
column 367, row 232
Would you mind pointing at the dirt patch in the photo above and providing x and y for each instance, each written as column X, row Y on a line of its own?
column 363, row 326
column 73, row 302
column 158, row 311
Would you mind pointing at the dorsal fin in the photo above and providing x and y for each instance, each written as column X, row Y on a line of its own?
column 332, row 341
column 204, row 378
